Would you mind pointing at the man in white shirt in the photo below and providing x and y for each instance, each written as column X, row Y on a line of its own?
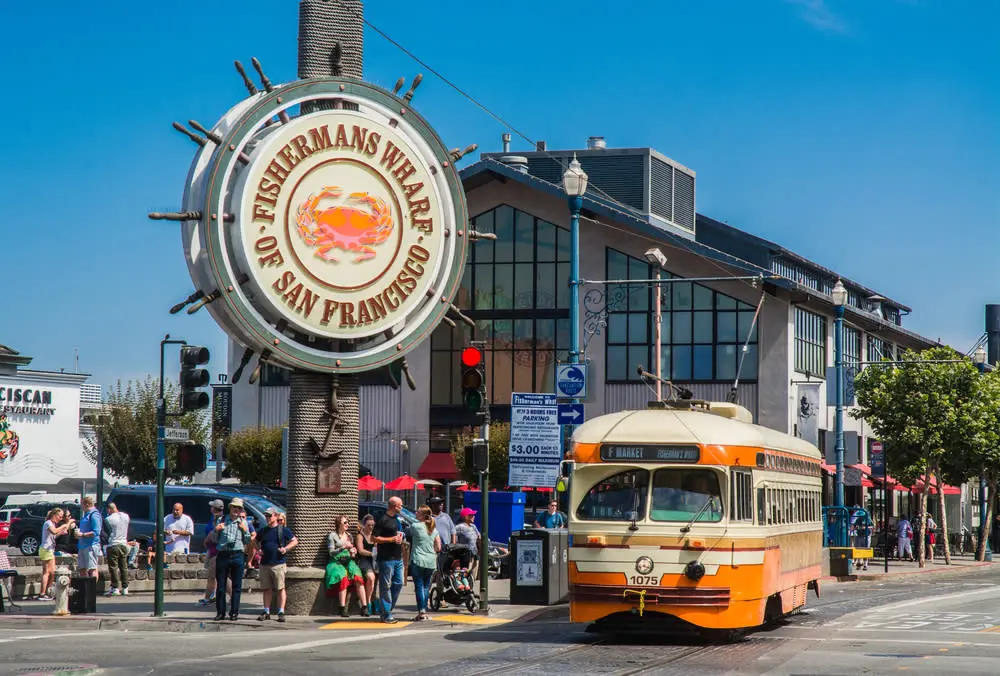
column 177, row 528
column 117, row 555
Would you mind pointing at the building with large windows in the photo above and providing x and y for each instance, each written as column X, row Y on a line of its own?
column 740, row 315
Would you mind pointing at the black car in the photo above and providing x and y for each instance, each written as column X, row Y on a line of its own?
column 26, row 528
column 139, row 502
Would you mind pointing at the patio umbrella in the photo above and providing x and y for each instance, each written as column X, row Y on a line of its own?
column 369, row 483
column 404, row 483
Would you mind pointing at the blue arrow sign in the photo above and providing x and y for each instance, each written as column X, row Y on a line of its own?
column 571, row 414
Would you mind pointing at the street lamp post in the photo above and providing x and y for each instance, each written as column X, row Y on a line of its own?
column 575, row 184
column 657, row 259
column 839, row 295
column 979, row 358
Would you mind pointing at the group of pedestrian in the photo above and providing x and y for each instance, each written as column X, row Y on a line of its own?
column 907, row 532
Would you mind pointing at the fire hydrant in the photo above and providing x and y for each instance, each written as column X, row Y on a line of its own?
column 63, row 591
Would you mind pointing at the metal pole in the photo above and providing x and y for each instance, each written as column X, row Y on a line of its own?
column 100, row 465
column 161, row 466
column 659, row 322
column 885, row 502
column 575, row 206
column 484, row 540
column 987, row 553
column 838, row 356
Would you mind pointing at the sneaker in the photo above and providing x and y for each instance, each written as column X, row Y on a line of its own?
column 264, row 616
column 211, row 599
column 45, row 597
column 389, row 619
column 203, row 601
column 125, row 591
column 111, row 592
column 281, row 616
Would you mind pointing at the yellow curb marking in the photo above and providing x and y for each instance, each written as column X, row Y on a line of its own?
column 468, row 619
column 991, row 630
column 359, row 624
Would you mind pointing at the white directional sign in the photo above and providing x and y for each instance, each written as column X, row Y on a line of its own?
column 535, row 449
column 176, row 434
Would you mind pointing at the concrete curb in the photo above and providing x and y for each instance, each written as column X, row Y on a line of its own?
column 88, row 622
column 870, row 577
column 542, row 614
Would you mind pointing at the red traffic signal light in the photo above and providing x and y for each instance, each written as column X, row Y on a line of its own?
column 472, row 356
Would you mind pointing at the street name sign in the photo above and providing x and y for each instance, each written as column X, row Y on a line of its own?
column 176, row 434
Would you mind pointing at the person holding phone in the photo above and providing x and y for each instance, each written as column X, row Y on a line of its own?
column 233, row 536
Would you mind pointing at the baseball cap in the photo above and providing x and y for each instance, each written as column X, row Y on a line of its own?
column 269, row 511
column 216, row 504
column 467, row 511
column 435, row 500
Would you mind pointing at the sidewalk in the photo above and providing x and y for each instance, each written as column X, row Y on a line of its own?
column 182, row 614
column 904, row 569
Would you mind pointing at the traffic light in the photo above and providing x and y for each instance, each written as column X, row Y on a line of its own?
column 191, row 459
column 477, row 456
column 192, row 377
column 474, row 380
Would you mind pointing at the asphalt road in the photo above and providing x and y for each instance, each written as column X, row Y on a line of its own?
column 932, row 624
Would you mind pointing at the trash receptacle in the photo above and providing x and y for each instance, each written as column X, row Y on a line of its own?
column 536, row 560
column 83, row 599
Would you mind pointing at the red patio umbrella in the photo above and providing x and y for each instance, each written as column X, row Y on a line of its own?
column 403, row 483
column 369, row 483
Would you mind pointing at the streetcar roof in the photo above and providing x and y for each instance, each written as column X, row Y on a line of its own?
column 687, row 426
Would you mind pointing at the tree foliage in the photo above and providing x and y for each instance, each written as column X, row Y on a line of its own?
column 499, row 442
column 931, row 416
column 127, row 427
column 254, row 455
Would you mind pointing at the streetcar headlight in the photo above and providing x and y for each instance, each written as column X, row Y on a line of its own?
column 644, row 565
column 694, row 570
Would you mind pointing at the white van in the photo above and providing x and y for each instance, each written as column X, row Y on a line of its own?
column 16, row 502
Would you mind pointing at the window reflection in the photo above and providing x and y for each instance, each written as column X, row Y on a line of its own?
column 685, row 495
column 620, row 497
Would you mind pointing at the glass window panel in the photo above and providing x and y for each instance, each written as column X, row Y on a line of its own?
column 637, row 326
column 702, row 297
column 524, row 334
column 665, row 336
column 617, row 363
column 525, row 286
column 702, row 362
column 546, row 234
column 524, row 236
column 638, row 269
column 455, row 381
column 681, row 327
column 545, row 371
column 620, row 497
column 746, row 321
column 562, row 334
column 503, row 377
column 484, row 329
column 682, row 362
column 441, row 378
column 545, row 297
column 503, row 334
column 664, row 361
column 484, row 287
column 562, row 285
column 617, row 328
column 441, row 338
column 726, row 326
column 562, row 355
column 505, row 234
column 682, row 295
column 749, row 371
column 725, row 362
column 617, row 265
column 545, row 334
column 723, row 302
column 465, row 291
column 639, row 297
column 483, row 251
column 524, row 376
column 702, row 327
column 638, row 355
column 562, row 244
column 503, row 286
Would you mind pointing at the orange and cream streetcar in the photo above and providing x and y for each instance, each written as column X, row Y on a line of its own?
column 689, row 511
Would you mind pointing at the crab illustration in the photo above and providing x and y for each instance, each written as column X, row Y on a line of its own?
column 8, row 439
column 344, row 227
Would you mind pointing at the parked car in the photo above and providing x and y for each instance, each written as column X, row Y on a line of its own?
column 377, row 509
column 26, row 528
column 7, row 514
column 139, row 502
column 273, row 493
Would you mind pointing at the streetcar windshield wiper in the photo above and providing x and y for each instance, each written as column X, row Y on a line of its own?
column 701, row 511
column 635, row 506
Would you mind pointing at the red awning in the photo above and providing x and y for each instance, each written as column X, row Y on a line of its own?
column 439, row 466
column 918, row 487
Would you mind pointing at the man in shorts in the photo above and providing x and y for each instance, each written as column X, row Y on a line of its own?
column 88, row 535
column 274, row 540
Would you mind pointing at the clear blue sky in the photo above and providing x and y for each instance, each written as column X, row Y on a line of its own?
column 861, row 134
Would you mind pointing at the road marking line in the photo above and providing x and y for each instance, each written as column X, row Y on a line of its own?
column 363, row 624
column 288, row 647
column 468, row 619
column 861, row 639
column 49, row 635
column 925, row 601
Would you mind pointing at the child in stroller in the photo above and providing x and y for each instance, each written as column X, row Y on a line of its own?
column 452, row 583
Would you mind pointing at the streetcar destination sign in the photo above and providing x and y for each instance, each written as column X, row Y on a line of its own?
column 650, row 453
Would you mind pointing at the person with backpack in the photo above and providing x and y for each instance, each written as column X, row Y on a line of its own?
column 274, row 542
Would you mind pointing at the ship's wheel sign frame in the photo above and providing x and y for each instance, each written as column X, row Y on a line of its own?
column 334, row 240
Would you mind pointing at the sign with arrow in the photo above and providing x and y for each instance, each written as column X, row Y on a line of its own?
column 571, row 414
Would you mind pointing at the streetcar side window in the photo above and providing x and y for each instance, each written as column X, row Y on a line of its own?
column 761, row 506
column 620, row 497
column 686, row 494
column 741, row 496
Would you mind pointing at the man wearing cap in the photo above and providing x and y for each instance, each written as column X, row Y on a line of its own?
column 274, row 541
column 211, row 551
column 467, row 535
column 233, row 535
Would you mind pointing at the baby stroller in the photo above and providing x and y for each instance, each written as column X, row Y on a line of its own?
column 453, row 584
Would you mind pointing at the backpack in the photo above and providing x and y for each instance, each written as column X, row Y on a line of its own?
column 105, row 533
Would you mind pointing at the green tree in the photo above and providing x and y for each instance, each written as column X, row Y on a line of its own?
column 499, row 441
column 127, row 427
column 254, row 455
column 928, row 411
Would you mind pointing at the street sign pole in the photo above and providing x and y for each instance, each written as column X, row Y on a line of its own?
column 161, row 471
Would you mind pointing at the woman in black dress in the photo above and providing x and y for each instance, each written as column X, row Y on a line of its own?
column 365, row 544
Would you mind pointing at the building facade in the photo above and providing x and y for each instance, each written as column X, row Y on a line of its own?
column 769, row 338
column 43, row 431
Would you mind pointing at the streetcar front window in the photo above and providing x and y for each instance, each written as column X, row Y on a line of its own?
column 620, row 497
column 684, row 494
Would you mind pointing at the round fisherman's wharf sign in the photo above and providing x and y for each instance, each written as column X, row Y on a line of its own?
column 334, row 240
